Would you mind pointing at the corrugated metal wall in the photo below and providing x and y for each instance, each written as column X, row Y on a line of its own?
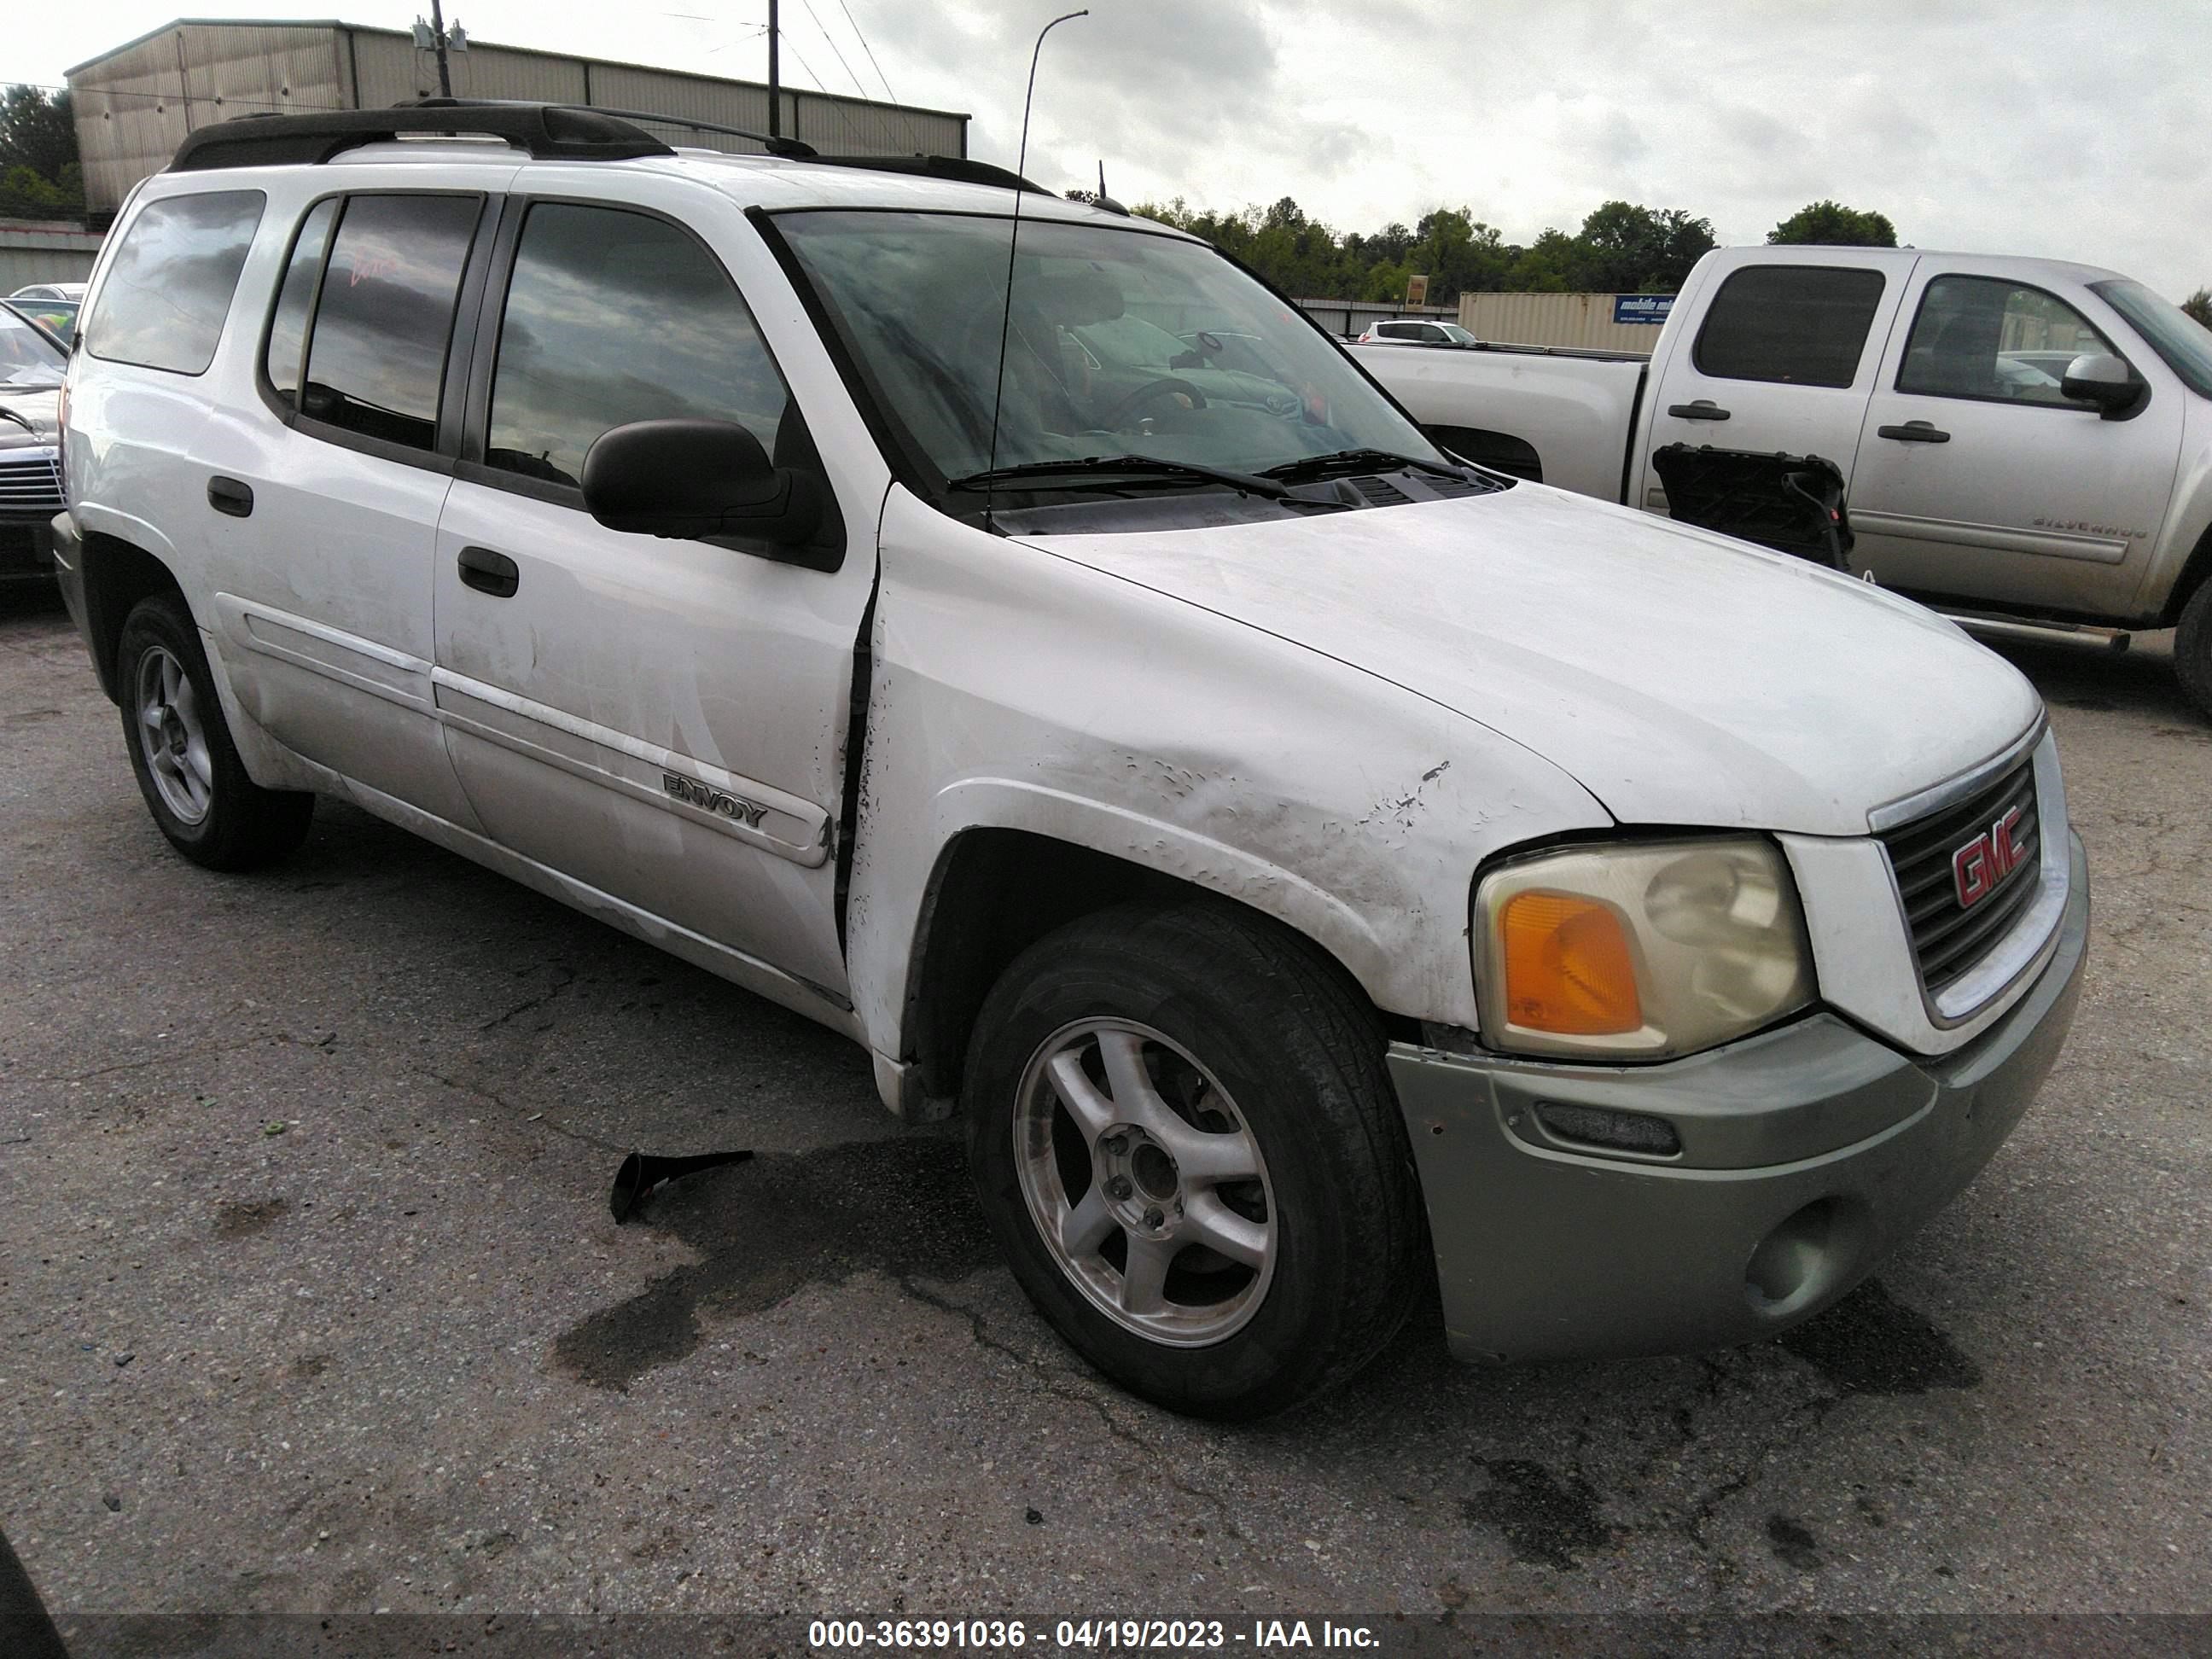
column 1552, row 319
column 135, row 104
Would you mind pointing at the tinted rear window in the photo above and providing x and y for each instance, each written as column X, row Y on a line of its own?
column 376, row 358
column 163, row 301
column 1805, row 325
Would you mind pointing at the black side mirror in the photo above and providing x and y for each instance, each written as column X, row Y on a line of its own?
column 2105, row 382
column 692, row 479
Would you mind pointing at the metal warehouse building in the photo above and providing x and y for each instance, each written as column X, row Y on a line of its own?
column 134, row 104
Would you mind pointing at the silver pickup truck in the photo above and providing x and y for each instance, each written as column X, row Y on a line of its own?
column 2019, row 437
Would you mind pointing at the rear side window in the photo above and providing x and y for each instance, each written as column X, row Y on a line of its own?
column 1802, row 325
column 615, row 317
column 165, row 294
column 376, row 355
column 295, row 297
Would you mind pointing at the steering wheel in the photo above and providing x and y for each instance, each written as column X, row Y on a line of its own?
column 1166, row 386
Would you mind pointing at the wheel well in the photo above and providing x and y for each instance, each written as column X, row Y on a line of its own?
column 995, row 893
column 2194, row 575
column 117, row 575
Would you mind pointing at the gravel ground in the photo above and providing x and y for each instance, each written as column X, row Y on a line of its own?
column 310, row 1301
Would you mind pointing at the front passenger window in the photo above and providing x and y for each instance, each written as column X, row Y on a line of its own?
column 1985, row 338
column 614, row 317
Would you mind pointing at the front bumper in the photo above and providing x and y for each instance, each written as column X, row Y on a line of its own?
column 1807, row 1153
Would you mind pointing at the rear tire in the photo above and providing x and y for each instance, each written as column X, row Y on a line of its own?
column 182, row 752
column 1182, row 1131
column 2192, row 649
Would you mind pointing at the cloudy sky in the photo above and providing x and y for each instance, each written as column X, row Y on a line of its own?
column 2075, row 131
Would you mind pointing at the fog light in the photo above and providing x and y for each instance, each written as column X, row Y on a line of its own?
column 1621, row 1131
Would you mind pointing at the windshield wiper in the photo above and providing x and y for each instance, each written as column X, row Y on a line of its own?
column 1107, row 469
column 18, row 419
column 1357, row 460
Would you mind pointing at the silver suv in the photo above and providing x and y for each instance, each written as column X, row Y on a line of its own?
column 1313, row 864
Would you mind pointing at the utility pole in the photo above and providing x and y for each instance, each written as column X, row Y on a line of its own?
column 774, row 95
column 438, row 34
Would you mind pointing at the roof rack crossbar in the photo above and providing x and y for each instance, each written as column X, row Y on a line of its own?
column 546, row 131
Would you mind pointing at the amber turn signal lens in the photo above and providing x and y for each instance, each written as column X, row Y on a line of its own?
column 1568, row 968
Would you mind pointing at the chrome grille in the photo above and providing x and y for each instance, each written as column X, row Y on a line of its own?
column 30, row 486
column 1949, row 939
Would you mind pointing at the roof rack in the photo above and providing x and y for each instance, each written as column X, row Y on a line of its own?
column 547, row 131
column 570, row 132
column 958, row 168
column 792, row 149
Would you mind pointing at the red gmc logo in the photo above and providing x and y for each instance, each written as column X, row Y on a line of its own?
column 1983, row 862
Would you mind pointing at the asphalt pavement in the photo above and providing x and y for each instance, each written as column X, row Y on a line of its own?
column 310, row 1301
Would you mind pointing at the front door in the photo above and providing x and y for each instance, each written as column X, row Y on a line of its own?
column 663, row 721
column 1977, row 478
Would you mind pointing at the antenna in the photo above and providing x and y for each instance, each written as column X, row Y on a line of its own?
column 1014, row 240
column 1103, row 199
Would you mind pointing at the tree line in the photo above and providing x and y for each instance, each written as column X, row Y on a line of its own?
column 1621, row 248
column 41, row 177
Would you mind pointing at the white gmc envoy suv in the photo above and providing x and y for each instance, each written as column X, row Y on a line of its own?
column 1024, row 642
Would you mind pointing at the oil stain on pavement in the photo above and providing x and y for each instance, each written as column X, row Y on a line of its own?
column 1545, row 1522
column 1869, row 1343
column 768, row 1228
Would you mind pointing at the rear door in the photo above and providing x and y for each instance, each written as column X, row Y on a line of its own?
column 663, row 721
column 1980, row 480
column 328, row 481
column 1784, row 358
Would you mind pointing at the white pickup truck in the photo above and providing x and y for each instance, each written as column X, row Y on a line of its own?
column 2018, row 437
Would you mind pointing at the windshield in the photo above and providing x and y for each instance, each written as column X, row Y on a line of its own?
column 27, row 356
column 2183, row 343
column 1456, row 334
column 1118, row 343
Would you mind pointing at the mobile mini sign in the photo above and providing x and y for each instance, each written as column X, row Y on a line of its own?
column 1642, row 307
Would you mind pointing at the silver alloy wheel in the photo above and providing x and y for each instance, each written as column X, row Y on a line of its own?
column 171, row 737
column 1144, row 1182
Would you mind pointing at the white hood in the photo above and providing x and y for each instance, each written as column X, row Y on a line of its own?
column 1682, row 677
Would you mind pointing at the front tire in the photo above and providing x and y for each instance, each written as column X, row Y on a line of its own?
column 1182, row 1131
column 2192, row 649
column 187, row 768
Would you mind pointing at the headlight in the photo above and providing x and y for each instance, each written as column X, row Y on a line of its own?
column 1639, row 951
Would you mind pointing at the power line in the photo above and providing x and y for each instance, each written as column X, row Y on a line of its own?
column 858, row 88
column 176, row 97
column 870, row 50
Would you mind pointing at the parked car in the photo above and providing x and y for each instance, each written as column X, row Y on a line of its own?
column 57, row 317
column 1984, row 476
column 32, row 362
column 73, row 292
column 1416, row 332
column 1311, row 865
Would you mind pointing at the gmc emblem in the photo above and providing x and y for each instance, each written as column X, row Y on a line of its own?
column 1983, row 862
